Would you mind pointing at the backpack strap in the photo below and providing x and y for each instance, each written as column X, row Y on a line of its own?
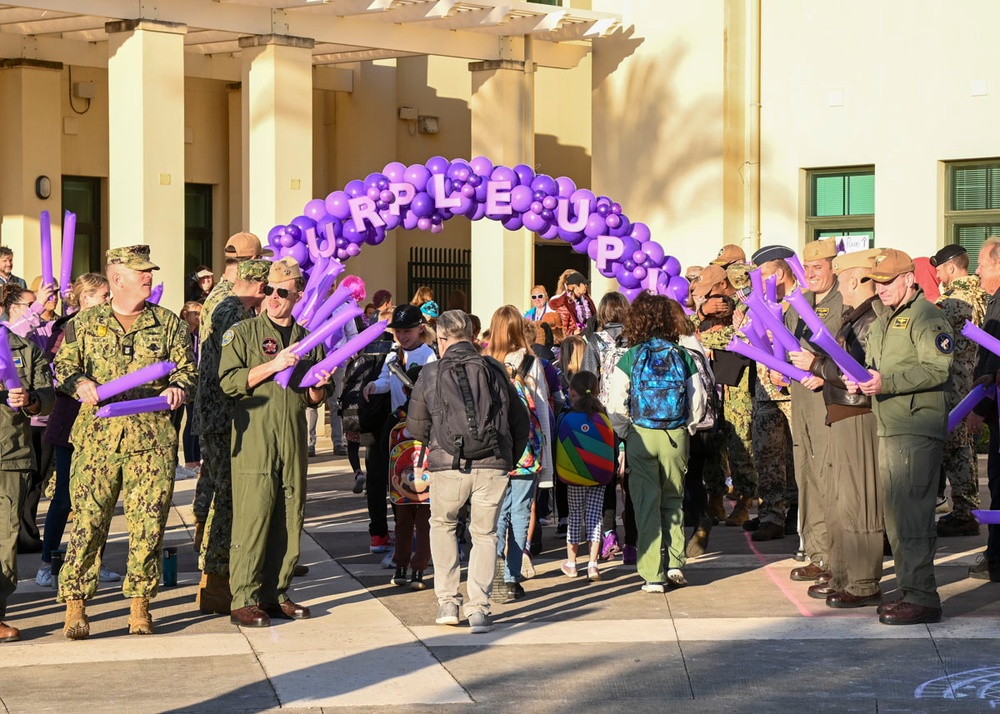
column 462, row 377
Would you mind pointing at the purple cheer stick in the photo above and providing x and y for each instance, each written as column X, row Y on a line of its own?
column 134, row 406
column 46, row 226
column 756, row 336
column 155, row 294
column 344, row 353
column 66, row 258
column 10, row 377
column 796, row 265
column 771, row 289
column 779, row 333
column 316, row 338
column 159, row 370
column 336, row 299
column 756, row 281
column 981, row 337
column 769, row 361
column 962, row 409
column 322, row 288
column 822, row 337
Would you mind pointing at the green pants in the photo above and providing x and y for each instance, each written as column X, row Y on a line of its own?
column 268, row 510
column 810, row 437
column 146, row 478
column 214, row 557
column 13, row 487
column 658, row 461
column 909, row 467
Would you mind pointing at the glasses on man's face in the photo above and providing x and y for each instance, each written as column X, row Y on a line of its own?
column 537, row 297
column 283, row 293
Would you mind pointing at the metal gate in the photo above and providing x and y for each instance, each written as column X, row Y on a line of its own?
column 442, row 270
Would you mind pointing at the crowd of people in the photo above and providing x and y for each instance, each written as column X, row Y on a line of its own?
column 530, row 422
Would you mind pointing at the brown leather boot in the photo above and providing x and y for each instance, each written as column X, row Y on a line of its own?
column 77, row 625
column 214, row 596
column 140, row 622
column 741, row 512
column 199, row 535
column 716, row 510
column 699, row 540
column 8, row 633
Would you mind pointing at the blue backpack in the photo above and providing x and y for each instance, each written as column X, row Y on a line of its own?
column 658, row 394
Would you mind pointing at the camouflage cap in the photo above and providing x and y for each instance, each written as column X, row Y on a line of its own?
column 739, row 275
column 135, row 257
column 254, row 270
column 284, row 269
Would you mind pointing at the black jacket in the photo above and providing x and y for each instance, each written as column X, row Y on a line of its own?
column 853, row 336
column 988, row 363
column 424, row 413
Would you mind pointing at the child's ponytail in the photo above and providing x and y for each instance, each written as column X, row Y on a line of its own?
column 586, row 384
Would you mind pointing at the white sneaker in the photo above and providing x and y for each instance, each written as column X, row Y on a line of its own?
column 109, row 576
column 653, row 588
column 44, row 577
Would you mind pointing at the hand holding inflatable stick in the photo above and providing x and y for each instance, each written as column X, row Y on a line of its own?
column 769, row 361
column 344, row 353
column 316, row 338
column 822, row 337
column 134, row 406
column 779, row 333
column 134, row 379
column 962, row 409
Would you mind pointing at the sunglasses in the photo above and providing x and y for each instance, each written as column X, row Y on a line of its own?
column 537, row 297
column 282, row 292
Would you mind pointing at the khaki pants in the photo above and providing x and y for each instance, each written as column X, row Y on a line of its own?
column 13, row 487
column 810, row 437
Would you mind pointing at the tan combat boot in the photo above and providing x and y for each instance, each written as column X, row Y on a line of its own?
column 716, row 510
column 199, row 535
column 214, row 596
column 740, row 514
column 77, row 625
column 139, row 620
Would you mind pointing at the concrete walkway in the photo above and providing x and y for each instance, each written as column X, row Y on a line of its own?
column 742, row 636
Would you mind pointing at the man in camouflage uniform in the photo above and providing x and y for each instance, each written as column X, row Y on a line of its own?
column 216, row 433
column 772, row 418
column 961, row 299
column 134, row 454
column 35, row 396
column 240, row 247
column 720, row 316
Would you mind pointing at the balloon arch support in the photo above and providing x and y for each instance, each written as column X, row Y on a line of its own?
column 330, row 231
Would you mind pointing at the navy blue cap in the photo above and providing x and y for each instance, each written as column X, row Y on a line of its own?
column 769, row 253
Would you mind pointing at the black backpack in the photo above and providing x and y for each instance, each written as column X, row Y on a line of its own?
column 474, row 402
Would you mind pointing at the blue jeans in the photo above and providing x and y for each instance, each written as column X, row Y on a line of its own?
column 59, row 507
column 512, row 525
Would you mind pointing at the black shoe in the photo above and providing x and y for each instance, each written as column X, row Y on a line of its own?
column 417, row 580
column 792, row 520
column 24, row 547
column 751, row 524
column 312, row 450
column 514, row 591
column 400, row 577
column 561, row 529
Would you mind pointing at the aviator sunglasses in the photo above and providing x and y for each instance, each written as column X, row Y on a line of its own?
column 282, row 292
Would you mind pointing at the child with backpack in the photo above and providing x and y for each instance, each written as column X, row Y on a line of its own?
column 585, row 462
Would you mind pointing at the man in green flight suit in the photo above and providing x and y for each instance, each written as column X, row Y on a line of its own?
column 909, row 355
column 269, row 450
column 35, row 396
column 136, row 454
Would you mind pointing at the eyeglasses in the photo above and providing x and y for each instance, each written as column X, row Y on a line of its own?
column 282, row 292
column 537, row 297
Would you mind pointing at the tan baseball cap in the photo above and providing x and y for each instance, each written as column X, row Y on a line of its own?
column 819, row 249
column 135, row 257
column 707, row 279
column 245, row 245
column 890, row 264
column 857, row 259
column 284, row 269
column 730, row 253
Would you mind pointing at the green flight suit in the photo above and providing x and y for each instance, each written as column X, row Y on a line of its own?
column 17, row 458
column 134, row 454
column 269, row 450
column 912, row 349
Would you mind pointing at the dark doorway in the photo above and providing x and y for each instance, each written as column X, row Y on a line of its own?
column 197, row 226
column 551, row 259
column 82, row 195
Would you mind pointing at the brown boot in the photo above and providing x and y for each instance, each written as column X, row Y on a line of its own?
column 699, row 541
column 740, row 513
column 199, row 535
column 214, row 596
column 716, row 511
column 8, row 633
column 77, row 625
column 139, row 620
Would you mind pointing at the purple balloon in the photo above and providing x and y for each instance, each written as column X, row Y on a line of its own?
column 353, row 250
column 478, row 213
column 288, row 240
column 536, row 207
column 640, row 273
column 629, row 264
column 612, row 221
column 549, row 233
column 424, row 224
column 342, row 254
column 337, row 205
column 315, row 209
column 410, row 220
column 355, row 188
column 595, row 225
column 582, row 194
column 387, row 196
column 274, row 236
column 304, row 223
column 546, row 184
column 655, row 252
column 623, row 228
column 570, row 237
column 437, row 164
column 481, row 191
column 392, row 221
column 525, row 174
column 458, row 170
column 550, row 203
column 436, row 228
column 603, row 209
column 469, row 191
column 677, row 288
column 482, row 166
column 520, row 198
column 394, row 171
column 534, row 222
column 582, row 246
column 350, row 234
column 640, row 231
column 373, row 193
column 422, row 205
column 513, row 223
column 325, row 227
column 672, row 266
column 376, row 236
column 608, row 269
column 417, row 175
column 500, row 173
column 566, row 186
column 300, row 252
column 373, row 179
column 592, row 249
column 625, row 278
column 432, row 190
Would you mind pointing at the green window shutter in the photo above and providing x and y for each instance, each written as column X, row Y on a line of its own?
column 829, row 192
column 972, row 238
column 861, row 194
column 969, row 189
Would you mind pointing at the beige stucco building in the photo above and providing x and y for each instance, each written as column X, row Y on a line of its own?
column 179, row 122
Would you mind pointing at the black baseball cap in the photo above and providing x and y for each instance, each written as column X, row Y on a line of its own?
column 576, row 278
column 771, row 252
column 947, row 253
column 406, row 316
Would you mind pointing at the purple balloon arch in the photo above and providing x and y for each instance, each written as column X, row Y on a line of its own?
column 424, row 196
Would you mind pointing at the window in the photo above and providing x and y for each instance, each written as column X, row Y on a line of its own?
column 197, row 226
column 842, row 203
column 82, row 195
column 973, row 208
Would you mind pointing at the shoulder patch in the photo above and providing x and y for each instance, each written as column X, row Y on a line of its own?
column 944, row 343
column 900, row 323
column 227, row 337
column 822, row 312
column 18, row 362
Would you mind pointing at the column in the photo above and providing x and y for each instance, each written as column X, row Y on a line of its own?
column 146, row 125
column 503, row 129
column 277, row 129
column 31, row 147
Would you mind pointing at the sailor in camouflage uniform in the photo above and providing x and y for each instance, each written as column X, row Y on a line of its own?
column 135, row 454
column 216, row 433
column 961, row 299
column 239, row 248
